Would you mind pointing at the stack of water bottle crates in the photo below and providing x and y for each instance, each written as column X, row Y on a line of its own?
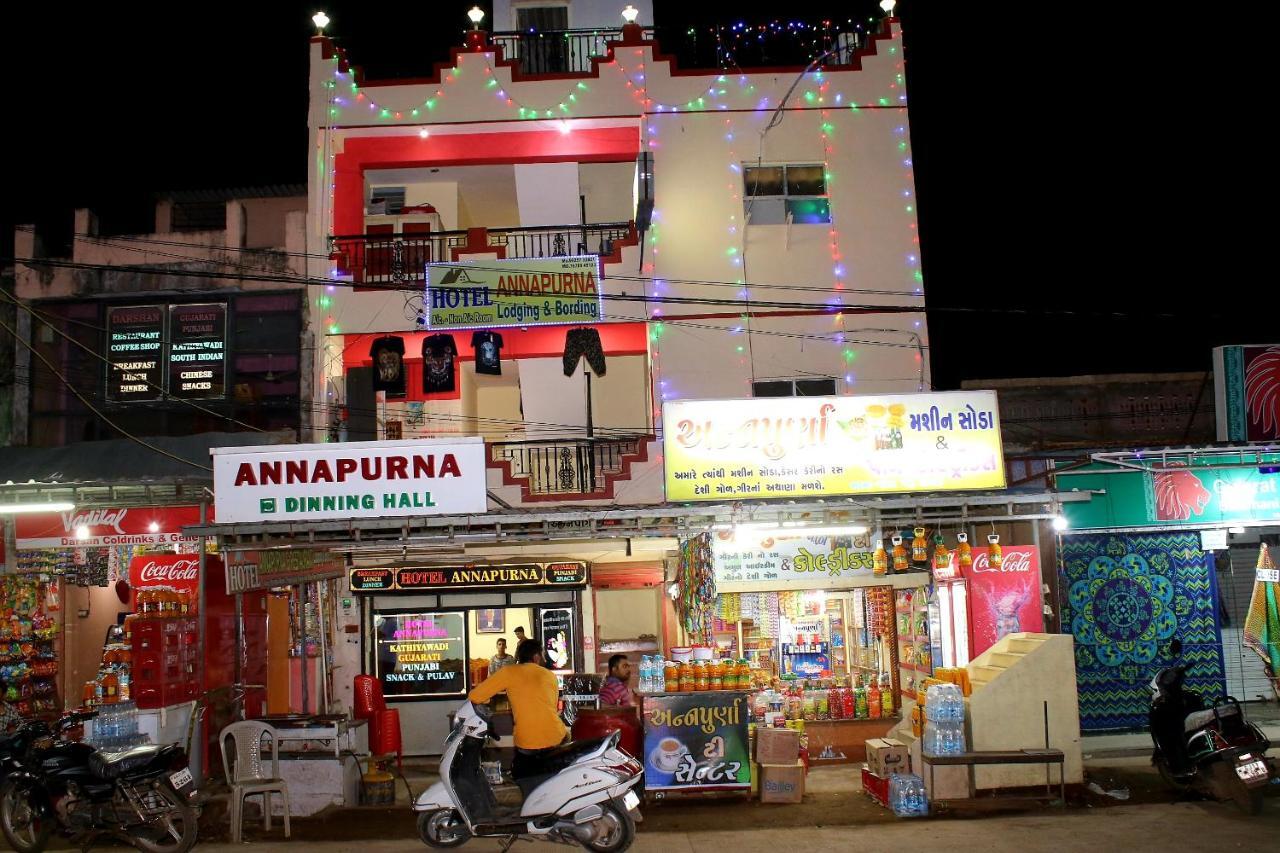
column 165, row 656
column 944, row 720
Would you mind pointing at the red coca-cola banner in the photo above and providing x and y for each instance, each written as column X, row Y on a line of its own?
column 1006, row 599
column 178, row 571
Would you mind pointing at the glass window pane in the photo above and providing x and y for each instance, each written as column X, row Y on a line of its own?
column 805, row 180
column 762, row 180
column 809, row 211
column 815, row 387
column 772, row 388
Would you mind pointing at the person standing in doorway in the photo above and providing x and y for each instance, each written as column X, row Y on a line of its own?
column 520, row 637
column 501, row 659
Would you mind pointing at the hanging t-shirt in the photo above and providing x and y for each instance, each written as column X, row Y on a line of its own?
column 438, row 353
column 388, row 365
column 488, row 347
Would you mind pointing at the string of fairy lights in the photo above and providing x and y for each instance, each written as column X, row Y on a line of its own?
column 348, row 101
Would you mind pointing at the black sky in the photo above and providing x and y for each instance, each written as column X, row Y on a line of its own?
column 1056, row 151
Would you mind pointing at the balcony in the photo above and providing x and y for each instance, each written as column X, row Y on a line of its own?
column 557, row 51
column 393, row 260
column 569, row 468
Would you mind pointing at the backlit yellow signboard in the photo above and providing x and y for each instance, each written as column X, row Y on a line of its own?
column 807, row 447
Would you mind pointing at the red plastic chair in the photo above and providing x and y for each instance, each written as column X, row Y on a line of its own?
column 369, row 703
column 385, row 738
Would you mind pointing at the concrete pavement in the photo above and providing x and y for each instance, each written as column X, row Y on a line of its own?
column 1178, row 826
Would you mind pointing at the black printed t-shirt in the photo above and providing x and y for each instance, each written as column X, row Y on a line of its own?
column 388, row 365
column 438, row 354
column 488, row 347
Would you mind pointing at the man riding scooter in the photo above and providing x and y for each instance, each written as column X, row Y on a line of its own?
column 534, row 693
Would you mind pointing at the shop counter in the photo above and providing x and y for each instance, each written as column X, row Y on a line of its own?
column 844, row 741
column 696, row 741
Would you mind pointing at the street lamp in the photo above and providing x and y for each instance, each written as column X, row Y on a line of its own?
column 476, row 15
column 321, row 20
column 630, row 14
column 887, row 6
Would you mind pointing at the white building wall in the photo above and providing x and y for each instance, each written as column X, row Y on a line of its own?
column 583, row 14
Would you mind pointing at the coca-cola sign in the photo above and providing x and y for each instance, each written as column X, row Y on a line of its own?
column 178, row 571
column 107, row 526
column 1004, row 599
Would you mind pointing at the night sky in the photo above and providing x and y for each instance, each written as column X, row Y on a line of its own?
column 1057, row 159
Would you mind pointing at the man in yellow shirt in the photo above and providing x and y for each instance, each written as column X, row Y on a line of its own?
column 533, row 692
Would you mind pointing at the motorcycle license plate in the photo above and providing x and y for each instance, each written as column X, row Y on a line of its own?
column 631, row 801
column 1252, row 771
column 179, row 779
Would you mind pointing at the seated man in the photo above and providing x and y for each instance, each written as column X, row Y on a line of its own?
column 616, row 690
column 533, row 692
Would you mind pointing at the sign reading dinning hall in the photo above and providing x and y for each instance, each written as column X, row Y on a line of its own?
column 800, row 447
column 514, row 292
column 380, row 579
column 351, row 480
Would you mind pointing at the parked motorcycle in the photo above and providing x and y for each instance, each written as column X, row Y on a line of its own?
column 584, row 795
column 1212, row 751
column 143, row 795
column 14, row 747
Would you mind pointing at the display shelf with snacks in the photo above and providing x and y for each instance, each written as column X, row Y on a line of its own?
column 29, row 631
column 915, row 647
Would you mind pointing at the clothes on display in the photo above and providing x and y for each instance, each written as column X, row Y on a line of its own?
column 438, row 355
column 488, row 347
column 580, row 343
column 388, row 365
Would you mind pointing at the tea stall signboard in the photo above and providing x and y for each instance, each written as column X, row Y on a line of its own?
column 696, row 741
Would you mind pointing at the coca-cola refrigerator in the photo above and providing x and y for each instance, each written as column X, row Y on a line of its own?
column 1004, row 599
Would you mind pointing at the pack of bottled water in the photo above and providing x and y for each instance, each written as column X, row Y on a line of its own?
column 652, row 674
column 116, row 727
column 944, row 720
column 907, row 797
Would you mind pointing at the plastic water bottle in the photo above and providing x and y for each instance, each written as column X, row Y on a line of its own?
column 646, row 674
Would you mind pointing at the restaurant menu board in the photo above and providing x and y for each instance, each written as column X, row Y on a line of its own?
column 696, row 741
column 421, row 655
column 555, row 627
column 135, row 350
column 197, row 351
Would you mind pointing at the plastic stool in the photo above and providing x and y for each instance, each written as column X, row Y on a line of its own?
column 385, row 738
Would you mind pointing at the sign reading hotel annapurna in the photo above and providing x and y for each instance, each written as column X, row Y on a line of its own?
column 359, row 479
column 515, row 292
column 795, row 447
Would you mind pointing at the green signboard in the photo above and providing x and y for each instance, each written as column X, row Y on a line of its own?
column 1175, row 493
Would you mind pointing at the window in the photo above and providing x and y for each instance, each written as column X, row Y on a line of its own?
column 793, row 388
column 386, row 200
column 776, row 195
column 542, row 18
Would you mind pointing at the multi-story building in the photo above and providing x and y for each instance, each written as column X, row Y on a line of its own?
column 755, row 232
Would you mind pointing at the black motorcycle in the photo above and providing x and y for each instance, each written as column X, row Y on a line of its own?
column 1214, row 752
column 143, row 795
column 15, row 746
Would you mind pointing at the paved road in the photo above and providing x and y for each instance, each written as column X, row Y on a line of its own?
column 1178, row 826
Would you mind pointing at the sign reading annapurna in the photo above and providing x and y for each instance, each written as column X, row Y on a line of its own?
column 362, row 479
column 517, row 292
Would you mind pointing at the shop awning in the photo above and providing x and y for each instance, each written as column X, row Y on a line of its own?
column 119, row 469
column 569, row 524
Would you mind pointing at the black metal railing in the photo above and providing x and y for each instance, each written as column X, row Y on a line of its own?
column 569, row 466
column 395, row 259
column 556, row 51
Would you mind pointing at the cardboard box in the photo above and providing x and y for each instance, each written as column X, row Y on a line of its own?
column 886, row 756
column 875, row 787
column 782, row 783
column 777, row 746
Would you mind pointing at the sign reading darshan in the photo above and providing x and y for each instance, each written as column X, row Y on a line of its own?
column 518, row 292
column 350, row 480
column 797, row 447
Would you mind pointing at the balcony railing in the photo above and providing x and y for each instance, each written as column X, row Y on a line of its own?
column 547, row 469
column 556, row 51
column 397, row 259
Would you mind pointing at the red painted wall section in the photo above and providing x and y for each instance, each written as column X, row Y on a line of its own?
column 584, row 145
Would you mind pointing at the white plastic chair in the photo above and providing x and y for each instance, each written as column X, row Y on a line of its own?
column 248, row 776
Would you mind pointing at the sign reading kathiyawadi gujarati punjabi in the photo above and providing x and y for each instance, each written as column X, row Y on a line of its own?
column 796, row 447
column 516, row 292
column 566, row 573
column 360, row 479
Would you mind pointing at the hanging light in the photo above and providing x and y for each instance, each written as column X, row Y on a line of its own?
column 1060, row 523
column 630, row 14
column 82, row 531
column 321, row 20
column 476, row 15
column 55, row 506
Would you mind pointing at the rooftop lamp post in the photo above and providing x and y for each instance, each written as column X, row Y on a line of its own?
column 631, row 31
column 477, row 39
column 321, row 20
column 887, row 6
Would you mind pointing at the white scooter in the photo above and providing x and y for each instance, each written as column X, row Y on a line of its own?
column 586, row 798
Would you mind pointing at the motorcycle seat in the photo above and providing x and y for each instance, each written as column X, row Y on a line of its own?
column 557, row 758
column 1200, row 719
column 113, row 765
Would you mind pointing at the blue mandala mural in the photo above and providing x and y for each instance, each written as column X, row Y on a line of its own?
column 1127, row 597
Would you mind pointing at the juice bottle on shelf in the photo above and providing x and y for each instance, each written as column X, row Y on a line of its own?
column 715, row 676
column 834, row 704
column 901, row 561
column 919, row 546
column 880, row 559
column 995, row 557
column 846, row 703
column 686, row 677
column 700, row 679
column 808, row 705
column 744, row 675
column 964, row 553
column 886, row 700
column 873, row 701
column 671, row 677
column 110, row 687
column 88, row 696
column 860, row 703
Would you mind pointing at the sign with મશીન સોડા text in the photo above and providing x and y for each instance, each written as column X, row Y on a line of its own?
column 517, row 292
column 799, row 447
column 356, row 479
